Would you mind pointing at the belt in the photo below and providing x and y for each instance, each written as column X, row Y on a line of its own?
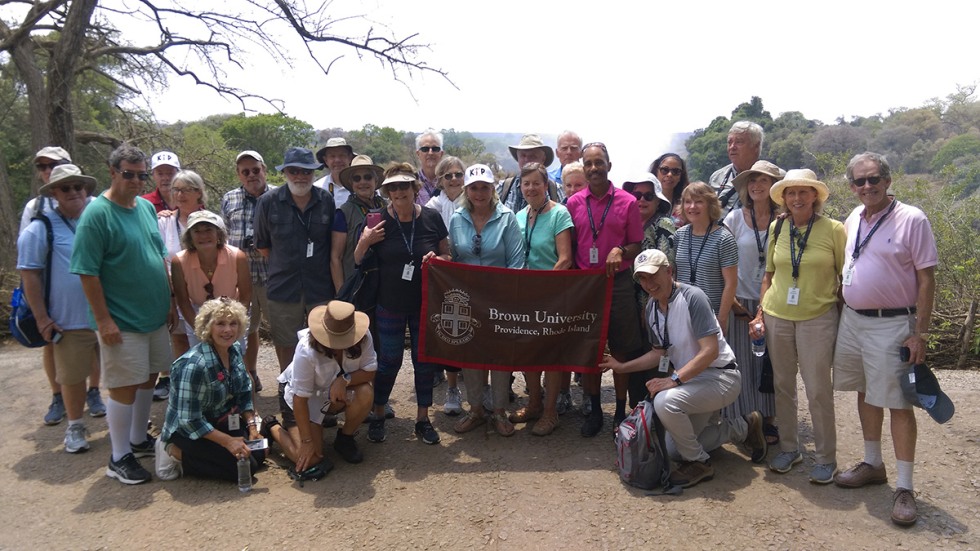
column 886, row 312
column 732, row 365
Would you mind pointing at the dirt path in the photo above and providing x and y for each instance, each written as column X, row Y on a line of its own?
column 473, row 491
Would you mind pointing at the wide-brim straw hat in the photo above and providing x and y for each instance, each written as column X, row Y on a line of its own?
column 66, row 174
column 361, row 161
column 533, row 141
column 337, row 324
column 799, row 177
column 760, row 167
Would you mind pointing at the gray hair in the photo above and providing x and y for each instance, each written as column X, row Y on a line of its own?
column 748, row 127
column 884, row 170
column 128, row 153
column 447, row 163
column 195, row 181
column 429, row 132
column 569, row 133
column 571, row 168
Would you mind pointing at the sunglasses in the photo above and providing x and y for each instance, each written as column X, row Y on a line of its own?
column 645, row 195
column 399, row 186
column 209, row 289
column 295, row 171
column 129, row 175
column 369, row 177
column 477, row 244
column 873, row 180
column 430, row 148
column 41, row 167
column 452, row 176
column 672, row 171
column 254, row 171
column 69, row 187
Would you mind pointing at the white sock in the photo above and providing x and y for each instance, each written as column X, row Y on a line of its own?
column 141, row 415
column 73, row 422
column 872, row 453
column 119, row 417
column 904, row 474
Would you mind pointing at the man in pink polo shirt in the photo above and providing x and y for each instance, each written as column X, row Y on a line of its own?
column 888, row 284
column 608, row 233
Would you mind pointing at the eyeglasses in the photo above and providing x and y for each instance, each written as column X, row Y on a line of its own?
column 477, row 244
column 369, row 177
column 182, row 189
column 129, row 175
column 645, row 195
column 873, row 180
column 399, row 186
column 452, row 176
column 254, row 171
column 295, row 171
column 209, row 289
column 430, row 148
column 667, row 170
column 68, row 187
column 41, row 167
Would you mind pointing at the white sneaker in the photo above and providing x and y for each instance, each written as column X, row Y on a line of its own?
column 167, row 467
column 454, row 401
column 75, row 441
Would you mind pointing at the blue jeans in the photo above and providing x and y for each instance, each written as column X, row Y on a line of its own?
column 391, row 335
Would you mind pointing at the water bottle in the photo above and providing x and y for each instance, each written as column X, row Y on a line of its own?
column 244, row 474
column 759, row 345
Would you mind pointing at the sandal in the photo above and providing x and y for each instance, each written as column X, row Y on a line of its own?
column 545, row 426
column 502, row 425
column 525, row 414
column 771, row 432
column 469, row 422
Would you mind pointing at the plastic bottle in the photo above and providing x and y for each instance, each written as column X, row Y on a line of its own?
column 759, row 345
column 244, row 474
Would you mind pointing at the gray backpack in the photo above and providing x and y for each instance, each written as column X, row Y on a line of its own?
column 640, row 451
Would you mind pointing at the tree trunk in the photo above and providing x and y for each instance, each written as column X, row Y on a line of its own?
column 9, row 220
column 37, row 102
column 62, row 70
column 966, row 335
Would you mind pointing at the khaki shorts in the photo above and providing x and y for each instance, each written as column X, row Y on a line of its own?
column 867, row 360
column 139, row 355
column 73, row 356
column 287, row 318
column 259, row 305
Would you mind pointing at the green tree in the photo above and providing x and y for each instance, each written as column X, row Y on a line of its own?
column 962, row 149
column 270, row 135
column 383, row 144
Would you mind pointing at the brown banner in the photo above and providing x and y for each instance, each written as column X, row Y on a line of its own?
column 514, row 320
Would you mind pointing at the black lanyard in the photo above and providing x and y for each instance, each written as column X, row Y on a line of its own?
column 305, row 223
column 602, row 221
column 857, row 238
column 529, row 227
column 665, row 336
column 72, row 226
column 409, row 241
column 760, row 244
column 794, row 258
column 695, row 261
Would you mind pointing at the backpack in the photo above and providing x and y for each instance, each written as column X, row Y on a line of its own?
column 640, row 451
column 23, row 325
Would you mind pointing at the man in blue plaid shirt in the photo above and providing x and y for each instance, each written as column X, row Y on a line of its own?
column 238, row 210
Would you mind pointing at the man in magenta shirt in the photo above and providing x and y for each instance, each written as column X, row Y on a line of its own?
column 888, row 285
column 608, row 233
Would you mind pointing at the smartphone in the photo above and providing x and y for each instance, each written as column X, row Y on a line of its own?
column 256, row 445
column 373, row 219
column 904, row 353
column 55, row 337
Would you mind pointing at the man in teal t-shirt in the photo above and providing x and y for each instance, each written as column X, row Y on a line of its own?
column 119, row 256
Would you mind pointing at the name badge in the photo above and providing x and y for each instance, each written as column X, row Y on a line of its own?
column 760, row 272
column 309, row 249
column 234, row 422
column 664, row 364
column 407, row 272
column 848, row 274
column 594, row 255
column 793, row 296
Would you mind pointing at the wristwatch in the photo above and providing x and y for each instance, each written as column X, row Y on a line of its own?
column 676, row 378
column 346, row 377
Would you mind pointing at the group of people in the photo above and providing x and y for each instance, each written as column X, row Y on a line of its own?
column 699, row 270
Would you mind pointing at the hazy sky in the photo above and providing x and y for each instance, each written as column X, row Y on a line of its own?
column 627, row 73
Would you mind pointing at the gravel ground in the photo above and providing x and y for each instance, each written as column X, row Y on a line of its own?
column 476, row 490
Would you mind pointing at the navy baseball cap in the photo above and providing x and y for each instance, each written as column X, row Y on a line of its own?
column 920, row 386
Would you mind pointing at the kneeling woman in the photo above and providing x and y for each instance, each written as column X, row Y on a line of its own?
column 331, row 372
column 210, row 412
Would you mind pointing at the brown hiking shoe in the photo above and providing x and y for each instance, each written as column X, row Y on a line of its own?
column 689, row 473
column 860, row 475
column 904, row 510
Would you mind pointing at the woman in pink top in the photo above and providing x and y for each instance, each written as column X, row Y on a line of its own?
column 208, row 267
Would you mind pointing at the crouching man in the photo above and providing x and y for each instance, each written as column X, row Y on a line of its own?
column 700, row 376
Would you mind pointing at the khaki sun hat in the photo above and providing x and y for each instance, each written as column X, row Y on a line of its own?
column 204, row 216
column 361, row 161
column 54, row 153
column 799, row 177
column 337, row 324
column 533, row 141
column 66, row 174
column 760, row 167
column 333, row 142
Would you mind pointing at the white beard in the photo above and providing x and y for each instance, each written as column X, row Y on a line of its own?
column 299, row 190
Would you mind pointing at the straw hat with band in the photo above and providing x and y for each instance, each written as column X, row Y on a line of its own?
column 533, row 141
column 66, row 174
column 760, row 167
column 664, row 206
column 361, row 161
column 337, row 325
column 799, row 177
